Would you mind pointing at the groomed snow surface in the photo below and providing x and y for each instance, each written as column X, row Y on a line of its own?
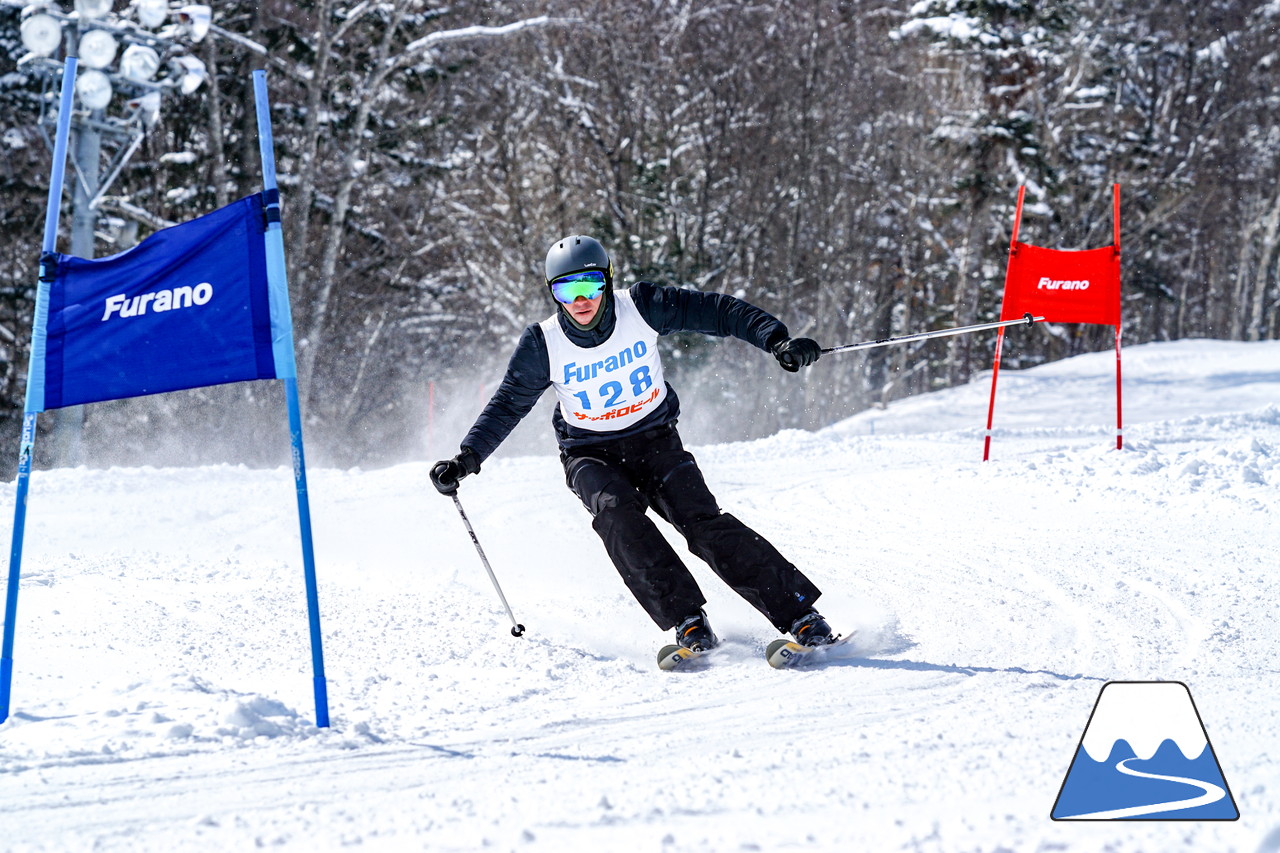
column 162, row 689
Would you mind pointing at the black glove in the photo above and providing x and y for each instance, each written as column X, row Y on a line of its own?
column 795, row 353
column 446, row 473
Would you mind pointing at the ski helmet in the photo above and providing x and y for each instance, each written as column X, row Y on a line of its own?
column 576, row 253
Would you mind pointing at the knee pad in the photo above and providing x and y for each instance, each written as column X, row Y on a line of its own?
column 612, row 501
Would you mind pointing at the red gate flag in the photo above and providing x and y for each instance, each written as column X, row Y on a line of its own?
column 1063, row 286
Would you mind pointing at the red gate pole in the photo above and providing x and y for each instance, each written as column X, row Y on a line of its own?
column 995, row 368
column 1115, row 234
column 991, row 406
column 1119, row 422
column 1017, row 223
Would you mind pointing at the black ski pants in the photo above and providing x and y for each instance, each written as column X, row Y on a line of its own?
column 618, row 480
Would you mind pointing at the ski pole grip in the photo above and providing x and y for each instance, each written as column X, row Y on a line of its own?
column 442, row 486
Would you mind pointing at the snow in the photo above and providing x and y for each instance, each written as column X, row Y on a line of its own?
column 162, row 687
column 956, row 26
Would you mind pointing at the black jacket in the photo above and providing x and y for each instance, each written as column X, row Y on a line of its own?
column 665, row 309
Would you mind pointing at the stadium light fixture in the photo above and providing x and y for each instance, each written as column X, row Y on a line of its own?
column 191, row 73
column 97, row 48
column 92, row 9
column 94, row 89
column 139, row 63
column 41, row 34
column 147, row 107
column 197, row 20
column 152, row 13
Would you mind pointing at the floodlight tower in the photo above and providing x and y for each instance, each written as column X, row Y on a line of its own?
column 153, row 63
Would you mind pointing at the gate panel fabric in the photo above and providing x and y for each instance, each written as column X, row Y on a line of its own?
column 1063, row 286
column 185, row 308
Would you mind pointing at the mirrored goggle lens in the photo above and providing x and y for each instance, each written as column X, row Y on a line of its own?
column 569, row 287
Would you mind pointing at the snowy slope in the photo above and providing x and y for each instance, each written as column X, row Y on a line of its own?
column 162, row 696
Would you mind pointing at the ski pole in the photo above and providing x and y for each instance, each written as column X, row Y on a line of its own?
column 1026, row 319
column 517, row 629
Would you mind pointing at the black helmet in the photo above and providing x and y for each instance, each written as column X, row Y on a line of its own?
column 576, row 253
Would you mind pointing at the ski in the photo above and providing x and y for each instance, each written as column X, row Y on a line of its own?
column 673, row 657
column 780, row 654
column 788, row 654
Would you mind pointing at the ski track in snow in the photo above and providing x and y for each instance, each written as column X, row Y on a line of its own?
column 162, row 687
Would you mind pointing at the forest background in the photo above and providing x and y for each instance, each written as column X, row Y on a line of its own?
column 850, row 166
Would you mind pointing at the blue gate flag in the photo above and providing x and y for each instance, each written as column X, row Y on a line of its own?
column 187, row 307
column 202, row 303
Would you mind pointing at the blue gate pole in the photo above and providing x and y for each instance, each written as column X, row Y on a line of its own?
column 35, row 381
column 286, row 369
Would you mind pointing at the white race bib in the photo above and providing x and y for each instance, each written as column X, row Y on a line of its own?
column 611, row 386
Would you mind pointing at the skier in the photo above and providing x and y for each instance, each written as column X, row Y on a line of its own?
column 616, row 429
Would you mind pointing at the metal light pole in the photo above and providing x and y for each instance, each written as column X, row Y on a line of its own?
column 93, row 33
column 67, row 435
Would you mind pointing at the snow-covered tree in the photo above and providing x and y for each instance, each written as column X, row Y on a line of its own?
column 851, row 166
column 992, row 60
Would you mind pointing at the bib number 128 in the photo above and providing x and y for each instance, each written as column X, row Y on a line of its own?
column 611, row 392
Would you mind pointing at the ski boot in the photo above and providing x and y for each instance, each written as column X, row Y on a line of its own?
column 694, row 638
column 813, row 639
column 812, row 630
column 694, row 633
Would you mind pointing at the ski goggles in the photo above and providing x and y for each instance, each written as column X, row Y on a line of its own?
column 589, row 284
